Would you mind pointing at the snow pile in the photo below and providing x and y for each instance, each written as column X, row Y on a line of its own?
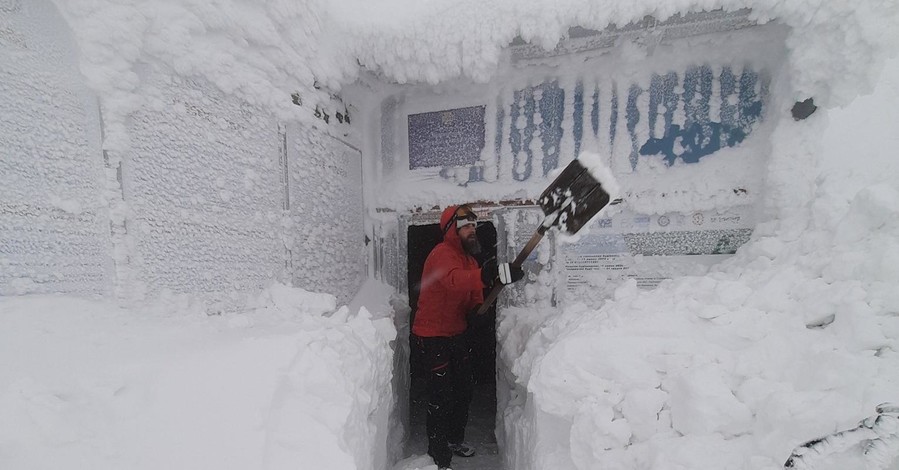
column 795, row 337
column 292, row 384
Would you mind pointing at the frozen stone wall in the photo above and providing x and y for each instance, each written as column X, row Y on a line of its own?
column 54, row 229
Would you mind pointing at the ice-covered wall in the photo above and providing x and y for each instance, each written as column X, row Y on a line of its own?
column 644, row 107
column 325, row 235
column 54, row 225
column 665, row 107
column 202, row 183
column 211, row 196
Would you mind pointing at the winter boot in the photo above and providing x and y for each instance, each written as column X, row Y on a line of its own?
column 462, row 450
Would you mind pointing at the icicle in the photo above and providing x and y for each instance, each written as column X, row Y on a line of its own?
column 567, row 143
column 505, row 149
column 489, row 152
column 536, row 144
column 715, row 98
column 632, row 117
column 642, row 130
column 519, row 167
column 620, row 145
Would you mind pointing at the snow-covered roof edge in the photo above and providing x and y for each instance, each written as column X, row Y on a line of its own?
column 836, row 48
column 264, row 53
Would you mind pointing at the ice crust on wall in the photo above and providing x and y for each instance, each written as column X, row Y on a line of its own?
column 325, row 230
column 195, row 204
column 654, row 113
column 224, row 200
column 202, row 183
column 54, row 225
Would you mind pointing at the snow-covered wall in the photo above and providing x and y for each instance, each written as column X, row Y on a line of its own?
column 202, row 183
column 54, row 224
column 211, row 195
column 679, row 110
column 630, row 95
column 325, row 234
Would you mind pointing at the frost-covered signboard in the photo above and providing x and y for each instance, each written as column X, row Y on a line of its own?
column 681, row 116
column 652, row 248
column 526, row 132
column 684, row 132
column 448, row 138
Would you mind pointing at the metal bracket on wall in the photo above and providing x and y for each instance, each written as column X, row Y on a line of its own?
column 285, row 185
column 118, row 227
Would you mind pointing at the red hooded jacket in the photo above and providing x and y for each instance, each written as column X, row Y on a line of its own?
column 451, row 286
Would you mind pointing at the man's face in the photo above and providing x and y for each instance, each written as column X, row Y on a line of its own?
column 469, row 236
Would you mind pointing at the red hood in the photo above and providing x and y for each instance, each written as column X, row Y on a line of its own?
column 451, row 235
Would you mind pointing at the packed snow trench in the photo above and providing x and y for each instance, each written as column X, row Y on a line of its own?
column 214, row 216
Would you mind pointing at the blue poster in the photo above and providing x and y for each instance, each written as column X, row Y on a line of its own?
column 449, row 138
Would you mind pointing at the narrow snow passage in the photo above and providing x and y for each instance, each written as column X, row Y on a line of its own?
column 480, row 433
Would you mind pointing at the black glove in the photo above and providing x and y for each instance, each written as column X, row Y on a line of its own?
column 509, row 273
column 489, row 272
column 476, row 321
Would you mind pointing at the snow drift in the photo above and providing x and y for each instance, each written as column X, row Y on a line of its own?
column 293, row 382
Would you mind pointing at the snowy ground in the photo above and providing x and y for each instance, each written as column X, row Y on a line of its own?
column 296, row 383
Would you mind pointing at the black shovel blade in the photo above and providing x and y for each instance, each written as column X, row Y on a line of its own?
column 575, row 195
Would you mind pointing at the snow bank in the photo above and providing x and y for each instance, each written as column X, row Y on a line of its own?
column 294, row 383
column 793, row 338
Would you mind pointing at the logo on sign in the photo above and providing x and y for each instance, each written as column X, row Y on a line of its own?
column 698, row 218
column 664, row 221
column 446, row 118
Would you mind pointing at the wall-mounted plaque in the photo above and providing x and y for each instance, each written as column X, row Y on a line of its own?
column 453, row 137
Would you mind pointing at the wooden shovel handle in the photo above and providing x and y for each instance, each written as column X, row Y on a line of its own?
column 523, row 255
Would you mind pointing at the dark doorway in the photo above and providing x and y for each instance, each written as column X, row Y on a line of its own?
column 482, row 419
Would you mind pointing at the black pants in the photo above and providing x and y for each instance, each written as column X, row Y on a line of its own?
column 446, row 363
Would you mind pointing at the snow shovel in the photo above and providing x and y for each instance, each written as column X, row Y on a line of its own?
column 568, row 203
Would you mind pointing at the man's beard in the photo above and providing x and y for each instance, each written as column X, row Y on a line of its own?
column 472, row 245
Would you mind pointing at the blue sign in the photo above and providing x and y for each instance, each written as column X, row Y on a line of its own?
column 686, row 115
column 548, row 102
column 450, row 138
column 740, row 109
